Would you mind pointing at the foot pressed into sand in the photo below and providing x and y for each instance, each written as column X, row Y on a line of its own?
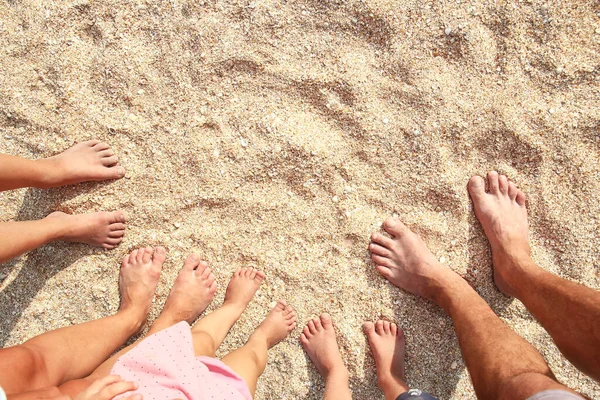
column 193, row 291
column 502, row 213
column 139, row 275
column 387, row 343
column 320, row 343
column 278, row 324
column 104, row 229
column 87, row 161
column 242, row 287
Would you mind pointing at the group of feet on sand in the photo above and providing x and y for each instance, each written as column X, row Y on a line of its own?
column 176, row 359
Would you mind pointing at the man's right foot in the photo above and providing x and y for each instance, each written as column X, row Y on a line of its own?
column 406, row 261
column 86, row 161
column 388, row 346
column 277, row 325
column 319, row 342
column 192, row 292
column 503, row 215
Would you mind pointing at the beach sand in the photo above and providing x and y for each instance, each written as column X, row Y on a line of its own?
column 280, row 134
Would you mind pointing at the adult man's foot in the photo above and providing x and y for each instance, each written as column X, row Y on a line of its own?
column 503, row 215
column 193, row 290
column 140, row 272
column 104, row 229
column 277, row 325
column 406, row 261
column 320, row 343
column 86, row 161
column 388, row 346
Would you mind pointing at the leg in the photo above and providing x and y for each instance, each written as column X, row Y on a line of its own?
column 568, row 311
column 104, row 229
column 210, row 331
column 250, row 360
column 319, row 342
column 388, row 347
column 75, row 351
column 86, row 161
column 502, row 364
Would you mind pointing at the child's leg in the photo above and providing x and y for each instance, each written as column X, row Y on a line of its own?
column 105, row 229
column 319, row 341
column 210, row 331
column 75, row 351
column 250, row 360
column 86, row 161
column 192, row 292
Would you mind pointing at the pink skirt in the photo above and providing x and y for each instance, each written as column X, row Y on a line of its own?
column 165, row 367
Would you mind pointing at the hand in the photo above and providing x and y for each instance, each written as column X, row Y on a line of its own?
column 108, row 388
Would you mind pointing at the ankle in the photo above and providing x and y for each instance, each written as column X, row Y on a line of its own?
column 391, row 385
column 338, row 373
column 51, row 173
column 135, row 319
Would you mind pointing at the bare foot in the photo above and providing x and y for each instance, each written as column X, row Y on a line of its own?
column 193, row 291
column 139, row 276
column 86, row 161
column 503, row 215
column 277, row 325
column 388, row 346
column 104, row 229
column 243, row 286
column 319, row 342
column 406, row 261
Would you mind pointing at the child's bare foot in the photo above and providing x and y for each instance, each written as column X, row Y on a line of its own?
column 387, row 344
column 407, row 262
column 86, row 161
column 319, row 342
column 243, row 286
column 503, row 215
column 104, row 229
column 139, row 276
column 277, row 325
column 193, row 291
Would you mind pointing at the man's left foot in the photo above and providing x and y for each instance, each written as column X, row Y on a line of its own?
column 140, row 272
column 86, row 161
column 319, row 342
column 103, row 229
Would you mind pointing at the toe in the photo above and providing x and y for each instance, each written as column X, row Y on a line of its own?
column 379, row 327
column 191, row 262
column 394, row 227
column 368, row 327
column 493, row 182
column 139, row 257
column 244, row 272
column 116, row 234
column 288, row 310
column 386, row 262
column 89, row 143
column 238, row 272
column 384, row 271
column 114, row 172
column 117, row 226
column 117, row 217
column 213, row 288
column 125, row 261
column 317, row 323
column 311, row 326
column 133, row 256
column 106, row 153
column 108, row 161
column 303, row 339
column 521, row 199
column 147, row 257
column 111, row 243
column 379, row 250
column 280, row 306
column 393, row 329
column 101, row 146
column 512, row 190
column 260, row 275
column 476, row 187
column 306, row 332
column 326, row 321
column 203, row 270
column 210, row 279
column 386, row 327
column 381, row 240
column 160, row 255
column 252, row 274
column 503, row 184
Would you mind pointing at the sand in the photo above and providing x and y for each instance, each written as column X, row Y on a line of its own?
column 280, row 134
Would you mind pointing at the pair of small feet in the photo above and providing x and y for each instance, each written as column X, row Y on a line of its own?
column 404, row 259
column 87, row 161
column 387, row 344
column 192, row 293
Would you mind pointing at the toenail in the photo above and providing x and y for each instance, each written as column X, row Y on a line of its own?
column 121, row 171
column 195, row 257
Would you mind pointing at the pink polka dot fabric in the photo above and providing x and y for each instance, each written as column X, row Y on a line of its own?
column 165, row 367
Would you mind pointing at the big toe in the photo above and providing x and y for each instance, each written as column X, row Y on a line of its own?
column 117, row 217
column 326, row 321
column 114, row 172
column 369, row 328
column 394, row 227
column 191, row 262
column 476, row 187
column 160, row 255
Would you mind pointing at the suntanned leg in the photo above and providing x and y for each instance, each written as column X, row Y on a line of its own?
column 388, row 346
column 502, row 364
column 250, row 360
column 74, row 352
column 319, row 342
column 210, row 331
column 568, row 311
column 103, row 229
column 86, row 161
